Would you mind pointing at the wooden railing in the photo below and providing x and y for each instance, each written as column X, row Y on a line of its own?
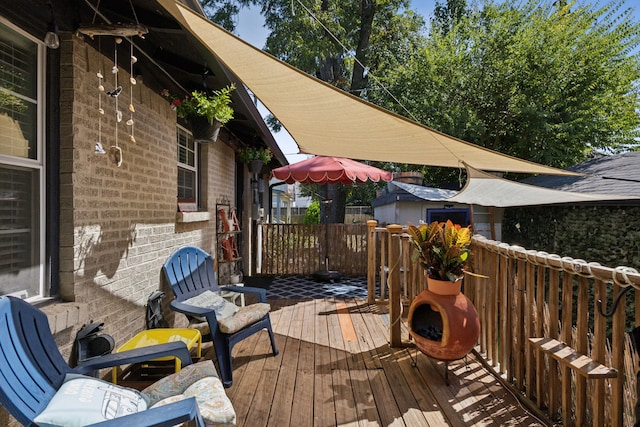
column 299, row 249
column 528, row 295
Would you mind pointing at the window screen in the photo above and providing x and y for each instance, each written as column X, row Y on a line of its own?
column 21, row 171
column 187, row 167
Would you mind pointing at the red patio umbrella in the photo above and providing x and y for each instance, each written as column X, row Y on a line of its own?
column 323, row 170
column 329, row 170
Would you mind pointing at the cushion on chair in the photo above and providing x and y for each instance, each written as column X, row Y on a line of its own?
column 213, row 403
column 209, row 299
column 177, row 383
column 245, row 316
column 82, row 400
column 215, row 407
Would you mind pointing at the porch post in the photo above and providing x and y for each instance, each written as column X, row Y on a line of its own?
column 395, row 304
column 372, row 243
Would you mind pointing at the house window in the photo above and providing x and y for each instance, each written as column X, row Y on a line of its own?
column 187, row 167
column 21, row 164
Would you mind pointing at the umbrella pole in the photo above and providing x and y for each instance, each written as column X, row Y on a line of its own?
column 326, row 228
column 326, row 247
column 326, row 274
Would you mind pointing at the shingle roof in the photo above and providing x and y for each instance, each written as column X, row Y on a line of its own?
column 618, row 174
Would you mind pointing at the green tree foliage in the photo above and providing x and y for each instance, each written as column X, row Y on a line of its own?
column 545, row 83
column 312, row 215
column 224, row 12
column 446, row 16
column 324, row 37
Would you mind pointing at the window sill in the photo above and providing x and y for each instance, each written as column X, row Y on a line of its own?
column 192, row 216
column 66, row 315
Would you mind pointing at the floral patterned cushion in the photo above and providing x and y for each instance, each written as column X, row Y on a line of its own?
column 245, row 316
column 177, row 383
column 214, row 405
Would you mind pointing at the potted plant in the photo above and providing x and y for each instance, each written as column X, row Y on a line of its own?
column 205, row 113
column 443, row 249
column 255, row 157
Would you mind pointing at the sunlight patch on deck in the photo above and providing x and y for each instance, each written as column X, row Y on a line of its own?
column 346, row 325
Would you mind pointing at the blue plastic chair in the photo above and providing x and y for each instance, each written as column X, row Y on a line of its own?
column 32, row 369
column 189, row 271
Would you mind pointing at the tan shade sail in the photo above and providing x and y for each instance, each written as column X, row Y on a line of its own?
column 485, row 189
column 325, row 120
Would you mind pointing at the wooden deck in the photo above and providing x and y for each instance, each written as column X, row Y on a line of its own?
column 335, row 368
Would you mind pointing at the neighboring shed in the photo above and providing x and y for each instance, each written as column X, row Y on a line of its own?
column 404, row 201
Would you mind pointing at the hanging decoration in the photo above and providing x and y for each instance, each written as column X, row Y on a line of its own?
column 110, row 29
column 122, row 30
column 118, row 31
column 132, row 81
column 115, row 152
column 99, row 149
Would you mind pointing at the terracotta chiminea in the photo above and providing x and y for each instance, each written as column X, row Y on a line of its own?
column 445, row 327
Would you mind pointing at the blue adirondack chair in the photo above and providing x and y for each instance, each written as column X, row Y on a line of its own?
column 32, row 369
column 189, row 271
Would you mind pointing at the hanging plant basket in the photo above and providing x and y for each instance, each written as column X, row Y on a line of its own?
column 255, row 166
column 255, row 158
column 202, row 130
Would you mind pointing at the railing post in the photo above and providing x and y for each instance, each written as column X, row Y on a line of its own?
column 395, row 308
column 372, row 265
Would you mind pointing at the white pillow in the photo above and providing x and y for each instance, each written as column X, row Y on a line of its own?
column 209, row 299
column 81, row 401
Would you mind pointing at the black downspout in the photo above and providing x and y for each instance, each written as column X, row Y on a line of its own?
column 52, row 174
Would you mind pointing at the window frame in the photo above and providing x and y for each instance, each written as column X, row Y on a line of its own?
column 38, row 164
column 195, row 168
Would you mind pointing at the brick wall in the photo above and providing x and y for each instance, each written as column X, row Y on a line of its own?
column 118, row 224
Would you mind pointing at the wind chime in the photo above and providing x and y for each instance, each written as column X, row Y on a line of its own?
column 115, row 151
column 109, row 101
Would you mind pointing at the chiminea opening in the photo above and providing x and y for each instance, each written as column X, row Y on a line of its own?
column 444, row 327
column 427, row 322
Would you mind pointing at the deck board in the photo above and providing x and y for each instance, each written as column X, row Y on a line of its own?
column 286, row 380
column 336, row 368
column 340, row 333
column 324, row 411
column 302, row 408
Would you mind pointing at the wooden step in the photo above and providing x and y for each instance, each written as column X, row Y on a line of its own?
column 580, row 363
